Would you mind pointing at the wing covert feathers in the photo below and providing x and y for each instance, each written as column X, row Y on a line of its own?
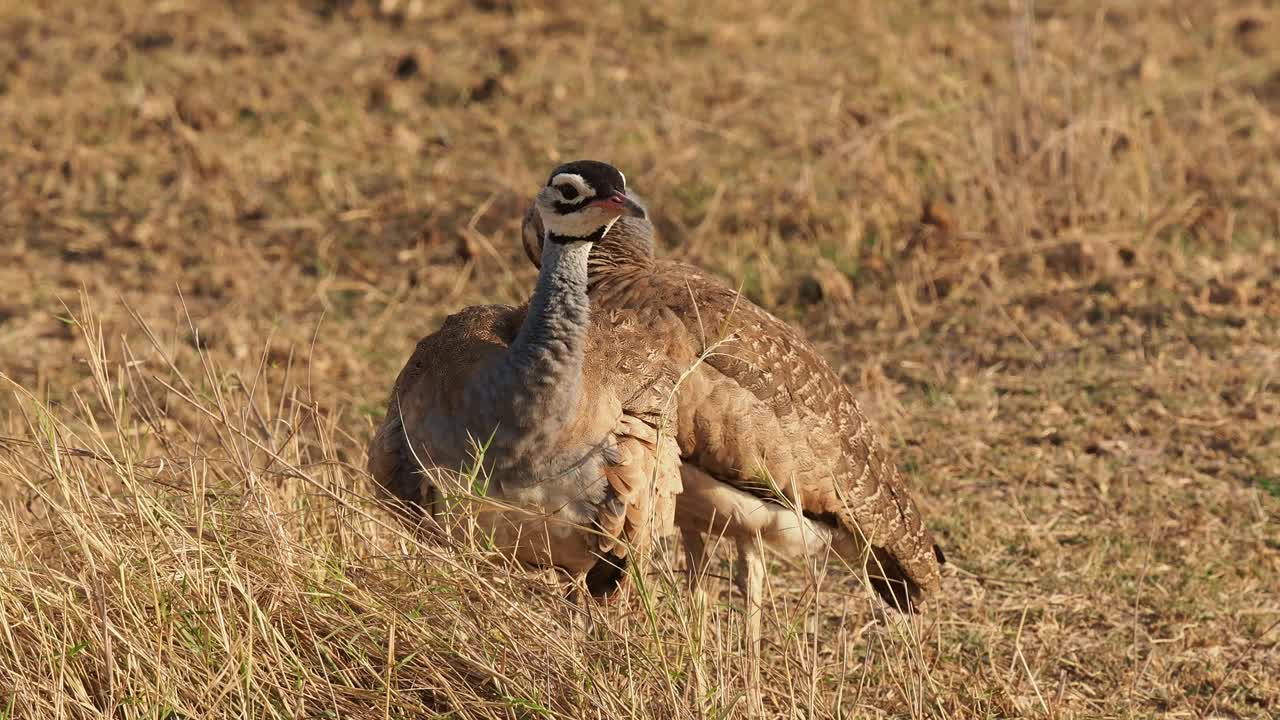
column 766, row 413
column 642, row 465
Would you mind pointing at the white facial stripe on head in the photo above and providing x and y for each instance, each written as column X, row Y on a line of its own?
column 624, row 179
column 576, row 181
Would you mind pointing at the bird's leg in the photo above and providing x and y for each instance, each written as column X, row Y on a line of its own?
column 749, row 576
column 696, row 558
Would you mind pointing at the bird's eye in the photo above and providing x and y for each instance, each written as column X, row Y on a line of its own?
column 567, row 191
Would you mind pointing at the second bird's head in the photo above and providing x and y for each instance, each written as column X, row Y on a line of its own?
column 582, row 200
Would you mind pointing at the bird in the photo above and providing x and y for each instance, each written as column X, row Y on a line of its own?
column 776, row 452
column 549, row 420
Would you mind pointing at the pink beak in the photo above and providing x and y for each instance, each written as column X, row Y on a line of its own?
column 621, row 204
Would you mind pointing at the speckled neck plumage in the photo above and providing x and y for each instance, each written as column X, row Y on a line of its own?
column 628, row 245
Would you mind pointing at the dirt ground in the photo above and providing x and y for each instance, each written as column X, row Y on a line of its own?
column 1042, row 241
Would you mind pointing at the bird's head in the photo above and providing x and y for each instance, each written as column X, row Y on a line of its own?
column 582, row 200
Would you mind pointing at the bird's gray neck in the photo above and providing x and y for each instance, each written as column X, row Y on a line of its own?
column 549, row 345
column 528, row 397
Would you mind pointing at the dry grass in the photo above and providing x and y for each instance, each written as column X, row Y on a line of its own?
column 226, row 224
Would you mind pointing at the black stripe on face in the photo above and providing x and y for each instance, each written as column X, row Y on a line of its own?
column 563, row 208
column 566, row 239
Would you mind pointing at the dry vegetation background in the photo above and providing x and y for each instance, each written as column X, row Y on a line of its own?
column 1042, row 242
